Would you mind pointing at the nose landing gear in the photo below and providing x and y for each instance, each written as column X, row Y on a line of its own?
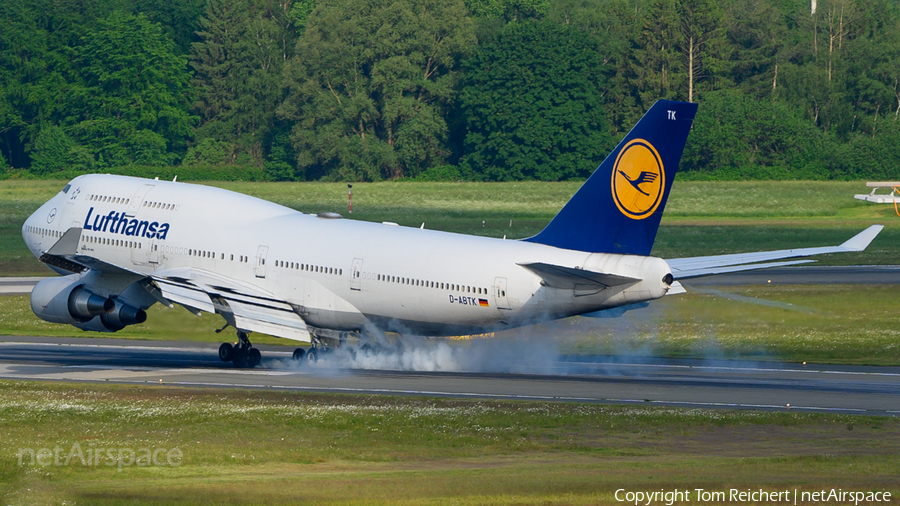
column 242, row 353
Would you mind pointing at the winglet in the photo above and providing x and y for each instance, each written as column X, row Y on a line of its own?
column 861, row 241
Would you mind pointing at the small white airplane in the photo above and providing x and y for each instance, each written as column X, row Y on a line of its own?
column 882, row 198
column 123, row 244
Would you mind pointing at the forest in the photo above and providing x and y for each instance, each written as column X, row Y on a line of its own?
column 472, row 90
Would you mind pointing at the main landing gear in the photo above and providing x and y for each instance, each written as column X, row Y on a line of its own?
column 310, row 356
column 242, row 354
column 319, row 346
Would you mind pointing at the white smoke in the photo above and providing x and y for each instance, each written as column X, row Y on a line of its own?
column 515, row 354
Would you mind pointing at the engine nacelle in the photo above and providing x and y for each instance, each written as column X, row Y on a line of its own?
column 117, row 319
column 122, row 315
column 67, row 300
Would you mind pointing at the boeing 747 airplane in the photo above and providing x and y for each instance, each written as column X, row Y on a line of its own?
column 122, row 244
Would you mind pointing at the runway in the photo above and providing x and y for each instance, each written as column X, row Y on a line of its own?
column 614, row 380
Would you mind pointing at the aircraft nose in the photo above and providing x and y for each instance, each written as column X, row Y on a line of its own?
column 44, row 217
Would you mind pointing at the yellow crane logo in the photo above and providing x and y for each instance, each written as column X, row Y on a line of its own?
column 638, row 180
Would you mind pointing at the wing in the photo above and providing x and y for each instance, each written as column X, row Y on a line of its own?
column 244, row 306
column 684, row 268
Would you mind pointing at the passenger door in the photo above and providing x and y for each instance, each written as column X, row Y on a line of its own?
column 355, row 274
column 500, row 297
column 137, row 199
column 261, row 255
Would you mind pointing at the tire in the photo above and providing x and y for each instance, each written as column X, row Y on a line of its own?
column 299, row 354
column 225, row 352
column 239, row 357
column 312, row 356
column 254, row 357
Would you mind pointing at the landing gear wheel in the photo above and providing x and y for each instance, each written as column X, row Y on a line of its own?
column 225, row 352
column 239, row 357
column 312, row 356
column 254, row 357
column 299, row 353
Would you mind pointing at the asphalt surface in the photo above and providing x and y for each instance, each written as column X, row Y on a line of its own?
column 619, row 379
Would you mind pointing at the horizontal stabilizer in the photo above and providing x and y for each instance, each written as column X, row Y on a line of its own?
column 559, row 276
column 676, row 288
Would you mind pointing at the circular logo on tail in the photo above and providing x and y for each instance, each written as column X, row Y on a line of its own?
column 638, row 180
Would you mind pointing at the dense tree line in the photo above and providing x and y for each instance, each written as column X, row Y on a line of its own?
column 445, row 89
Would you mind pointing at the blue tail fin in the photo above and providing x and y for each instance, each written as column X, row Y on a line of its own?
column 617, row 210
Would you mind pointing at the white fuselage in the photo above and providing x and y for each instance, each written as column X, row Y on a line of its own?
column 339, row 274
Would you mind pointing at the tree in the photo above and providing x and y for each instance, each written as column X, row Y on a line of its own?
column 130, row 104
column 611, row 25
column 369, row 85
column 55, row 151
column 533, row 105
column 735, row 134
column 656, row 65
column 30, row 79
column 179, row 20
column 702, row 38
column 509, row 10
column 239, row 63
column 760, row 41
column 215, row 59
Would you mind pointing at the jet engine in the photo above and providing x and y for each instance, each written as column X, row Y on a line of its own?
column 67, row 300
column 120, row 317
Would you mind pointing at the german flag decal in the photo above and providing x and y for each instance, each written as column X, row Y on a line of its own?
column 483, row 303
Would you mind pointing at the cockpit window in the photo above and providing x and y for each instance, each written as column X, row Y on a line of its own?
column 66, row 189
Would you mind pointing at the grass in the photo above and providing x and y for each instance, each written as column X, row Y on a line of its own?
column 830, row 324
column 701, row 217
column 285, row 448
